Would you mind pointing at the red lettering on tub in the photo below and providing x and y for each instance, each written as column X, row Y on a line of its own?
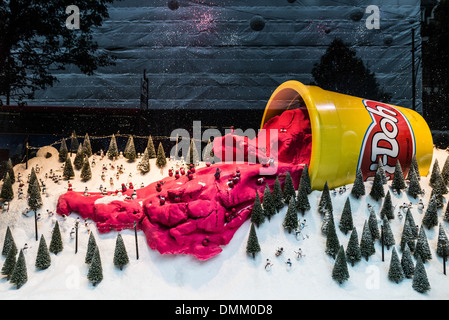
column 389, row 138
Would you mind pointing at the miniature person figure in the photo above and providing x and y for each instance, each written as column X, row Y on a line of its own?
column 161, row 200
column 70, row 188
column 134, row 195
column 217, row 174
column 299, row 254
column 288, row 263
column 268, row 265
column 170, row 172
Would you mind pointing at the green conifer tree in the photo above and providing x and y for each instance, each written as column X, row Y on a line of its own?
column 415, row 167
column 19, row 275
column 388, row 236
column 422, row 248
column 278, row 196
column 257, row 212
column 377, row 190
column 325, row 203
column 9, row 243
column 56, row 244
column 144, row 164
column 445, row 171
column 79, row 158
column 387, row 207
column 381, row 170
column 43, row 259
column 435, row 174
column 161, row 160
column 332, row 242
column 395, row 272
column 130, row 150
column 35, row 199
column 9, row 264
column 74, row 144
column 113, row 149
column 192, row 154
column 372, row 225
column 33, row 177
column 7, row 192
column 346, row 222
column 407, row 263
column 87, row 147
column 420, row 280
column 398, row 182
column 86, row 172
column 291, row 218
column 411, row 222
column 151, row 150
column 358, row 188
column 430, row 218
column 442, row 243
column 91, row 247
column 68, row 172
column 63, row 151
column 269, row 208
column 9, row 169
column 366, row 242
column 407, row 237
column 302, row 198
column 306, row 177
column 289, row 190
column 120, row 254
column 340, row 272
column 353, row 253
column 414, row 188
column 95, row 273
column 252, row 246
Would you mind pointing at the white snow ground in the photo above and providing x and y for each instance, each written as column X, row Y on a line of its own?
column 232, row 275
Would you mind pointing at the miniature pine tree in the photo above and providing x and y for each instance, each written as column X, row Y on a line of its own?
column 268, row 203
column 278, row 195
column 398, row 182
column 414, row 188
column 291, row 218
column 9, row 243
column 130, row 150
column 415, row 167
column 332, row 242
column 33, row 177
column 208, row 152
column 377, row 190
column 74, row 144
column 257, row 213
column 430, row 218
column 113, row 149
column 438, row 198
column 95, row 273
column 35, row 199
column 420, row 281
column 422, row 246
column 445, row 171
column 439, row 185
column 372, row 225
column 407, row 263
column 442, row 243
column 7, row 192
column 91, row 247
column 358, row 188
column 43, row 259
column 366, row 242
column 387, row 207
column 289, row 190
column 346, row 222
column 305, row 176
column 120, row 255
column 446, row 214
column 388, row 237
column 435, row 174
column 325, row 223
column 9, row 169
column 192, row 154
column 407, row 237
column 63, row 151
column 144, row 164
column 302, row 199
column 353, row 253
column 8, row 265
column 340, row 271
column 56, row 244
column 87, row 148
column 151, row 149
column 411, row 222
column 19, row 275
column 325, row 204
column 161, row 160
column 252, row 246
column 79, row 158
column 68, row 172
column 86, row 172
column 381, row 170
column 395, row 272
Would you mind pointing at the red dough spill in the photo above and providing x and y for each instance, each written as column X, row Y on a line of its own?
column 201, row 214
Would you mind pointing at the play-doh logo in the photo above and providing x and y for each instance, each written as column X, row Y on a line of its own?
column 388, row 138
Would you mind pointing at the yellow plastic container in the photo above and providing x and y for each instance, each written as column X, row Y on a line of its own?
column 349, row 133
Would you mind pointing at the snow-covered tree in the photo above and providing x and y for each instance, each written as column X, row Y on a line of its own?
column 68, row 172
column 395, row 271
column 346, row 222
column 435, row 174
column 422, row 248
column 9, row 264
column 252, row 246
column 56, row 245
column 144, row 164
column 95, row 272
column 257, row 212
column 302, row 198
column 366, row 242
column 340, row 272
column 113, row 149
column 19, row 275
column 35, row 199
column 289, row 190
column 291, row 218
column 9, row 243
column 420, row 280
column 387, row 207
column 407, row 262
column 43, row 259
column 161, row 160
column 372, row 225
column 353, row 253
column 87, row 147
column 388, row 236
column 413, row 227
column 332, row 242
column 442, row 243
column 151, row 150
column 79, row 158
column 377, row 190
column 381, row 170
column 63, row 151
column 91, row 247
column 130, row 150
column 306, row 179
column 445, row 171
column 74, row 143
column 120, row 254
column 33, row 177
column 414, row 187
column 7, row 192
column 192, row 154
column 407, row 237
column 86, row 172
column 430, row 218
column 358, row 188
column 398, row 182
column 325, row 203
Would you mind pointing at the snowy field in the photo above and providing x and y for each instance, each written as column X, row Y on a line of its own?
column 231, row 275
